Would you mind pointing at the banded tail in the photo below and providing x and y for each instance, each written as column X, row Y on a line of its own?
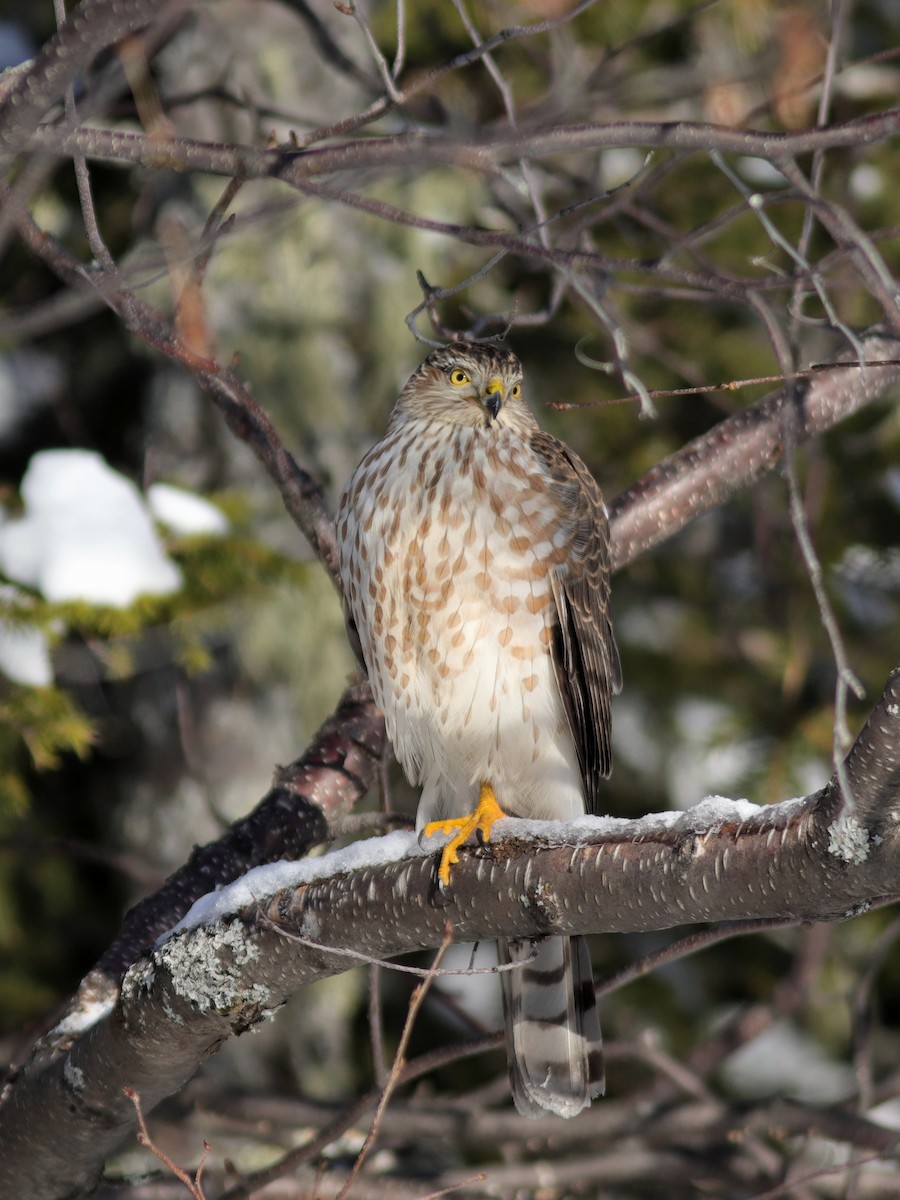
column 553, row 1036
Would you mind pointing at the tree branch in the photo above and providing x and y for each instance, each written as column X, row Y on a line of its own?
column 738, row 451
column 418, row 150
column 307, row 797
column 732, row 456
column 92, row 27
column 213, row 980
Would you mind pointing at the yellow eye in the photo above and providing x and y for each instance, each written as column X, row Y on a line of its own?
column 459, row 378
column 516, row 391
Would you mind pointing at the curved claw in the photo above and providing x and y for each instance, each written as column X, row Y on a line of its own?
column 482, row 819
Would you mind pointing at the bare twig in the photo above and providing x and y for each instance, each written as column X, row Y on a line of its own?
column 396, row 1072
column 300, row 492
column 194, row 1185
column 376, row 1028
column 388, row 79
column 487, row 154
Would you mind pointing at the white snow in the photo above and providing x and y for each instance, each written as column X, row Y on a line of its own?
column 85, row 1016
column 86, row 534
column 714, row 810
column 711, row 812
column 620, row 164
column 185, row 512
column 760, row 172
column 785, row 1060
column 478, row 993
column 25, row 656
column 24, row 650
column 866, row 182
column 887, row 1113
column 261, row 882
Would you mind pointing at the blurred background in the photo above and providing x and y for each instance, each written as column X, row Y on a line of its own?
column 134, row 728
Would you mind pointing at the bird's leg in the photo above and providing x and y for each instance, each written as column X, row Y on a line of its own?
column 481, row 820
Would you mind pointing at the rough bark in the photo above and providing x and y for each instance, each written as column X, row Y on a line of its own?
column 776, row 866
column 182, row 999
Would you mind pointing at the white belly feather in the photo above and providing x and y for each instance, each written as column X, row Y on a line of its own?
column 452, row 600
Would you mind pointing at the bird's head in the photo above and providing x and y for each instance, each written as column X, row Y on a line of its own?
column 477, row 384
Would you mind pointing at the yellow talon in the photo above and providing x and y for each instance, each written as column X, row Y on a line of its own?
column 482, row 820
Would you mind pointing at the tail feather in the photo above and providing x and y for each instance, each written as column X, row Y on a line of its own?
column 553, row 1036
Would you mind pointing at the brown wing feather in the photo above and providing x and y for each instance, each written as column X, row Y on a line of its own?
column 585, row 655
column 353, row 636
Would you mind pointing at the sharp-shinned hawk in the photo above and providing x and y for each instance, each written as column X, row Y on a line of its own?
column 474, row 558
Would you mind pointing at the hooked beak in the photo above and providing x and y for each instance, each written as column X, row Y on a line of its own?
column 493, row 398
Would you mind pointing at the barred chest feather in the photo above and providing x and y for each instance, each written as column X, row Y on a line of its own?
column 446, row 545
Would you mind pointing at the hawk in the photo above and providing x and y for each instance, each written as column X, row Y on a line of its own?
column 474, row 559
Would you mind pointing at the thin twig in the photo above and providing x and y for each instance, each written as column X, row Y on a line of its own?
column 415, row 1004
column 841, row 226
column 846, row 680
column 692, row 944
column 401, row 968
column 838, row 14
column 728, row 385
column 193, row 1184
column 351, row 8
column 376, row 1029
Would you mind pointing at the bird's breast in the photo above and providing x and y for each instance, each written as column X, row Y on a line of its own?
column 447, row 554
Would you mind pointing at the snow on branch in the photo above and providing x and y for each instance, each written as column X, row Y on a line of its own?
column 243, row 951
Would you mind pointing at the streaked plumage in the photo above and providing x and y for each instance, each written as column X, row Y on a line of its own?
column 475, row 567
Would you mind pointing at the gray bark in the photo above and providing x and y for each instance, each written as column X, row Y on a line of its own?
column 809, row 860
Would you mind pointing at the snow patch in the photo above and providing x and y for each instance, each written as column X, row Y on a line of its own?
column 84, row 1017
column 620, row 165
column 258, row 884
column 74, row 1076
column 708, row 814
column 760, row 172
column 185, row 512
column 716, row 810
column 783, row 1060
column 262, row 882
column 86, row 534
column 887, row 1113
column 25, row 655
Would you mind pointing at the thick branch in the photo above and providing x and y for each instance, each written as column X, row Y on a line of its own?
column 323, row 785
column 734, row 454
column 873, row 764
column 417, row 150
column 92, row 27
column 738, row 451
column 210, row 981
